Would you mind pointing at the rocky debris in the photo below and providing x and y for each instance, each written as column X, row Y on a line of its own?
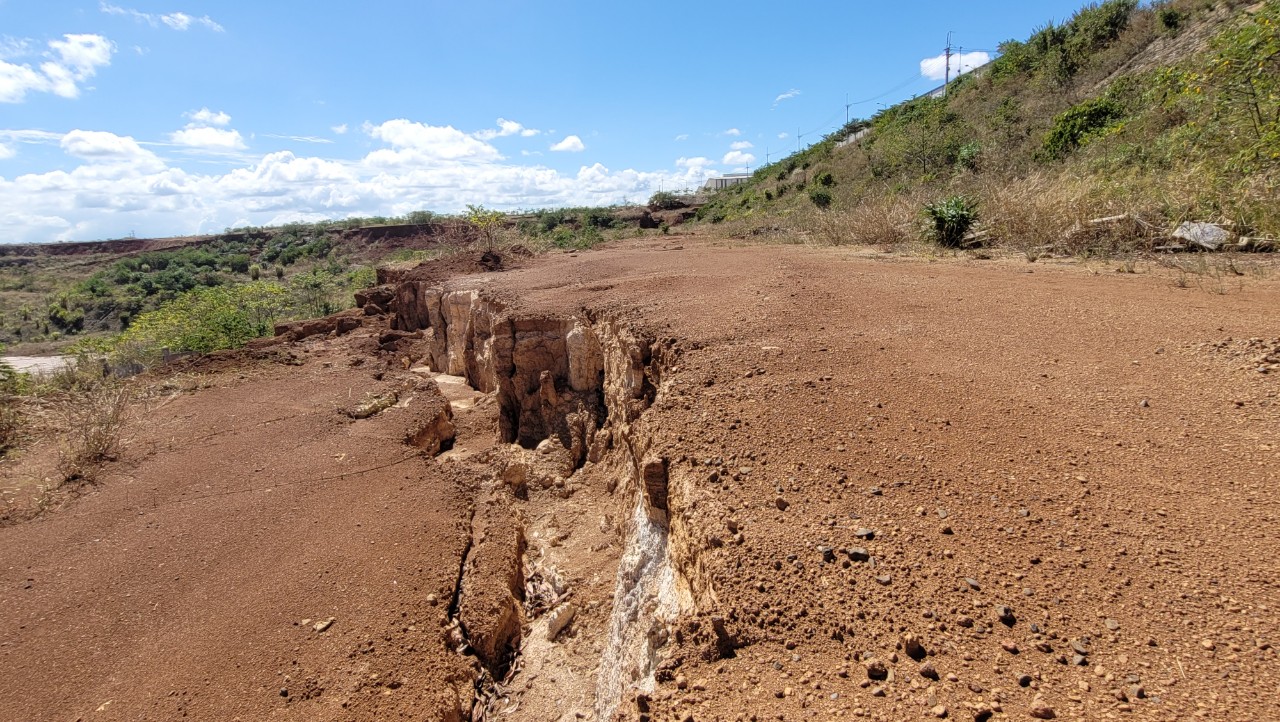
column 492, row 585
column 373, row 406
column 858, row 554
column 912, row 645
column 928, row 671
column 559, row 619
column 1005, row 615
column 337, row 324
column 434, row 431
column 377, row 300
column 1040, row 709
column 323, row 624
column 876, row 669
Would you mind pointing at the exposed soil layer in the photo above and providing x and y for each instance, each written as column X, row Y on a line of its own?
column 833, row 486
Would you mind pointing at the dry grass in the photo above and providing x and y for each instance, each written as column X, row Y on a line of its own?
column 91, row 425
column 887, row 222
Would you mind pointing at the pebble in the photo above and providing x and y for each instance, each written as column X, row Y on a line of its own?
column 865, row 533
column 875, row 491
column 1025, row 680
column 858, row 554
column 431, row 599
column 876, row 669
column 781, row 503
column 323, row 624
column 1009, row 646
column 1040, row 709
column 939, row 711
column 1208, row 644
column 973, row 584
column 964, row 621
column 885, row 579
column 1005, row 615
column 1112, row 624
column 928, row 671
column 912, row 646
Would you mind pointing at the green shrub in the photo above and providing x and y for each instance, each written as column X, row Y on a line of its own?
column 951, row 219
column 664, row 201
column 1073, row 127
column 1170, row 19
column 826, row 179
column 204, row 320
column 820, row 198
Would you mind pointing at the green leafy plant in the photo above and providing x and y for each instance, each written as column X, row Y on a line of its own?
column 205, row 320
column 820, row 197
column 1073, row 127
column 664, row 201
column 487, row 222
column 951, row 220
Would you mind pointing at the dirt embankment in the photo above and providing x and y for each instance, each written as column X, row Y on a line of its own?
column 687, row 482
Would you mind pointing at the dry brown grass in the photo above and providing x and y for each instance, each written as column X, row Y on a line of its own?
column 91, row 424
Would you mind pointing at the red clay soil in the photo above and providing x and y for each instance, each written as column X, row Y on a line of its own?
column 1056, row 488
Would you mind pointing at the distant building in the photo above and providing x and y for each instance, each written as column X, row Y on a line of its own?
column 726, row 180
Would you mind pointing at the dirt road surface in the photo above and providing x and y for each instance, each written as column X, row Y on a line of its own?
column 876, row 488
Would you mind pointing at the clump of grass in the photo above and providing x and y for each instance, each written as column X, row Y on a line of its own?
column 92, row 424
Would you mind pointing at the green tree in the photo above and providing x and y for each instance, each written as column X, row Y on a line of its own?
column 487, row 222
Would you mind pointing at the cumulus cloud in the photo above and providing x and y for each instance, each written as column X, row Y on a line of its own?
column 413, row 142
column 340, row 129
column 504, row 129
column 936, row 68
column 785, row 96
column 570, row 144
column 119, row 185
column 204, row 116
column 741, row 145
column 732, row 132
column 783, row 136
column 738, row 158
column 696, row 163
column 208, row 138
column 6, row 151
column 174, row 20
column 70, row 62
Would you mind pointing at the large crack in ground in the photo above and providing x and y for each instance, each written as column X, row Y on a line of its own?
column 569, row 392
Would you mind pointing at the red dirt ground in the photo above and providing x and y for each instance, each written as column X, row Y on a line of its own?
column 1097, row 452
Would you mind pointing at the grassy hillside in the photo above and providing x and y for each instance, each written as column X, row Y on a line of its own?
column 1166, row 113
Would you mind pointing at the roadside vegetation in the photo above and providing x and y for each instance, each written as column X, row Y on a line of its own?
column 1156, row 114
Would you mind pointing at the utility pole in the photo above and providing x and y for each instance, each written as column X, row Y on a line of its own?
column 846, row 108
column 797, row 139
column 948, row 80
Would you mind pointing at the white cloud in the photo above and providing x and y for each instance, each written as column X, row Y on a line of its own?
column 71, row 61
column 175, row 20
column 696, row 163
column 783, row 136
column 741, row 145
column 11, row 48
column 204, row 116
column 120, row 186
column 570, row 144
column 6, row 151
column 413, row 142
column 340, row 129
column 936, row 68
column 785, row 96
column 732, row 131
column 738, row 158
column 682, row 136
column 504, row 129
column 300, row 138
column 208, row 138
column 109, row 155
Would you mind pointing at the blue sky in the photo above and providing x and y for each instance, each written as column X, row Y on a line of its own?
column 177, row 116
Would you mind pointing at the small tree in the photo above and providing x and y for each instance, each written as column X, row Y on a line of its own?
column 255, row 272
column 487, row 222
column 664, row 201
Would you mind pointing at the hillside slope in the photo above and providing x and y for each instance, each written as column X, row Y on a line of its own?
column 1164, row 113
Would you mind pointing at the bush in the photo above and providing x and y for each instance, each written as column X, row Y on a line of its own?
column 91, row 432
column 205, row 320
column 951, row 219
column 664, row 201
column 820, row 198
column 826, row 179
column 1072, row 128
column 1170, row 19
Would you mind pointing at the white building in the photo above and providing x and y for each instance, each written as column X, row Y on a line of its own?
column 726, row 180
